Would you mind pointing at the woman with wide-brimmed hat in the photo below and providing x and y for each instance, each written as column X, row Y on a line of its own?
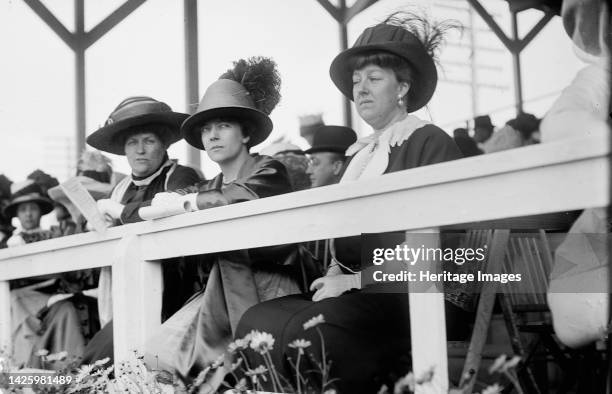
column 232, row 116
column 28, row 203
column 140, row 128
column 389, row 72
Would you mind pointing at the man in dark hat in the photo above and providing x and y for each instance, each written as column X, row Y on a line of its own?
column 327, row 154
column 466, row 144
column 483, row 128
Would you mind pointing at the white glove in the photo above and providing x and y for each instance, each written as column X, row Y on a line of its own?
column 110, row 208
column 334, row 285
column 171, row 200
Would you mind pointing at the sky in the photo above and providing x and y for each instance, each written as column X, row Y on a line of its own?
column 144, row 55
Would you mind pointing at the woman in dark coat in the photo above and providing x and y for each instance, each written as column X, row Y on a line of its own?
column 142, row 129
column 231, row 118
column 388, row 73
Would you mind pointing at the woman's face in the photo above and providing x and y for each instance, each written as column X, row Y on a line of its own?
column 376, row 91
column 145, row 153
column 29, row 214
column 223, row 140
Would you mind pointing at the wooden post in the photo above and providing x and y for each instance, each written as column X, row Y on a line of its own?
column 5, row 318
column 427, row 320
column 137, row 294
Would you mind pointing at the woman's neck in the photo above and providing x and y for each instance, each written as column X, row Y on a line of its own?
column 230, row 169
column 393, row 117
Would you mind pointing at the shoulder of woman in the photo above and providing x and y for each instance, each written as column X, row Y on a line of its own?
column 426, row 135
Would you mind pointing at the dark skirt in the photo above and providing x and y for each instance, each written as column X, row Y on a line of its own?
column 366, row 336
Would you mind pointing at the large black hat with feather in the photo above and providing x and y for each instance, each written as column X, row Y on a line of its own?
column 248, row 92
column 410, row 36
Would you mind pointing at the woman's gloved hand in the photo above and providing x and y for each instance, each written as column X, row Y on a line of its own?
column 110, row 209
column 334, row 285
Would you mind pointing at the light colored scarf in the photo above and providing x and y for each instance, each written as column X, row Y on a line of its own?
column 371, row 153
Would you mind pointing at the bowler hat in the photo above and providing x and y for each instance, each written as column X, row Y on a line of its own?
column 332, row 139
column 27, row 191
column 483, row 121
column 224, row 99
column 395, row 40
column 132, row 112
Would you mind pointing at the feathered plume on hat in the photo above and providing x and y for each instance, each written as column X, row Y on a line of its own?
column 44, row 180
column 260, row 78
column 431, row 33
column 248, row 92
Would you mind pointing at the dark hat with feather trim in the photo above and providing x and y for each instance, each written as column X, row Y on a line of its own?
column 27, row 191
column 249, row 92
column 409, row 36
column 133, row 112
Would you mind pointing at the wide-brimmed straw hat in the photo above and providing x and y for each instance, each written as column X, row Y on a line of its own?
column 224, row 99
column 395, row 40
column 27, row 191
column 132, row 112
column 332, row 139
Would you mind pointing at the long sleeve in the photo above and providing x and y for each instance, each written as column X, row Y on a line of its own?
column 260, row 177
column 427, row 145
column 180, row 177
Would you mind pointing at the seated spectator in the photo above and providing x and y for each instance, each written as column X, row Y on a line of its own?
column 517, row 132
column 142, row 129
column 389, row 73
column 28, row 203
column 232, row 116
column 466, row 144
column 42, row 317
column 327, row 154
column 295, row 161
column 579, row 290
column 483, row 129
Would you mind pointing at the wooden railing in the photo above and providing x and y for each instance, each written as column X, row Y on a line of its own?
column 553, row 177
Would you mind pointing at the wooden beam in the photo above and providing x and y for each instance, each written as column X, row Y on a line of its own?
column 405, row 200
column 192, row 80
column 332, row 10
column 484, row 14
column 112, row 20
column 357, row 8
column 137, row 296
column 51, row 21
column 535, row 30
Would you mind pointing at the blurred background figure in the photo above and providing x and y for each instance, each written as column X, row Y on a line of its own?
column 583, row 109
column 327, row 154
column 466, row 144
column 520, row 131
column 6, row 229
column 483, row 129
column 95, row 173
column 309, row 124
column 294, row 159
column 29, row 202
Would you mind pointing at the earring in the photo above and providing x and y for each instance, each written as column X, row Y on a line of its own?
column 400, row 100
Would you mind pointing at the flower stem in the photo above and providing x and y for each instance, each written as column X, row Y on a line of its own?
column 323, row 360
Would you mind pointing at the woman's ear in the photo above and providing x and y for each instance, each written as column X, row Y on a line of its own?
column 246, row 139
column 403, row 89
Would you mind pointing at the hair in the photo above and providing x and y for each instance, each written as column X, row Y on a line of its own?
column 161, row 130
column 261, row 79
column 432, row 34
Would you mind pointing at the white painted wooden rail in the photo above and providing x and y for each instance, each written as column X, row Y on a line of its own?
column 553, row 177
